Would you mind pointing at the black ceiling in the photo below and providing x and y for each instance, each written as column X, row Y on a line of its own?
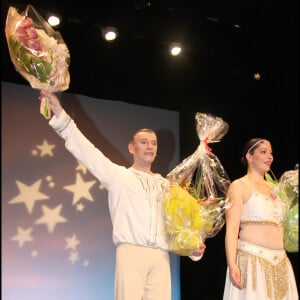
column 216, row 66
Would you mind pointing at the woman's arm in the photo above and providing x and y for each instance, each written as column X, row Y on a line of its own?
column 233, row 214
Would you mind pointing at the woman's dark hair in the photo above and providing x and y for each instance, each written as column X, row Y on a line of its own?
column 249, row 147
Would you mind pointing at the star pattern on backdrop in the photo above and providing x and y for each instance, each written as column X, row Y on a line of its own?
column 81, row 167
column 23, row 236
column 51, row 217
column 45, row 148
column 73, row 257
column 50, row 181
column 80, row 207
column 34, row 253
column 29, row 195
column 85, row 263
column 34, row 152
column 80, row 189
column 72, row 242
column 101, row 187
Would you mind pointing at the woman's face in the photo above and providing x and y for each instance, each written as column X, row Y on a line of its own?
column 262, row 157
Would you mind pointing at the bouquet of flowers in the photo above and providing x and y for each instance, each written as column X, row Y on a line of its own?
column 38, row 52
column 287, row 188
column 289, row 185
column 195, row 202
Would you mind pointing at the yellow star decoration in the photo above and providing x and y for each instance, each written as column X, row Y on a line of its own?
column 23, row 235
column 74, row 256
column 72, row 242
column 46, row 149
column 80, row 207
column 80, row 189
column 34, row 253
column 85, row 263
column 51, row 217
column 28, row 195
column 81, row 167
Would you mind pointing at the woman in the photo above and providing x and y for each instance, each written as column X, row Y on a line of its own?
column 257, row 264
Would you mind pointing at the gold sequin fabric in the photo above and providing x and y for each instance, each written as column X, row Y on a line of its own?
column 272, row 263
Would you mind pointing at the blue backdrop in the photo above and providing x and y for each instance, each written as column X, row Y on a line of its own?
column 56, row 229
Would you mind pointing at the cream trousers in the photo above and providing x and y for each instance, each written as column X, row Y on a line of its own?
column 142, row 273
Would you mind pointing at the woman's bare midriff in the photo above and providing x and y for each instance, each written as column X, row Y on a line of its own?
column 265, row 235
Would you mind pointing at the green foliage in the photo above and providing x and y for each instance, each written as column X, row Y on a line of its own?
column 288, row 193
column 33, row 65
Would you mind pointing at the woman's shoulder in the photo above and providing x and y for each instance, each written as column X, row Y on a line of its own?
column 240, row 186
column 239, row 183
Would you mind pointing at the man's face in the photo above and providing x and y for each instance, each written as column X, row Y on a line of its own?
column 144, row 147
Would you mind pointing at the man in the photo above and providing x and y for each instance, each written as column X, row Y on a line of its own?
column 135, row 197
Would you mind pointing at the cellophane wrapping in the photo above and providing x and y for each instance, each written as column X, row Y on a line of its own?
column 195, row 202
column 289, row 186
column 37, row 51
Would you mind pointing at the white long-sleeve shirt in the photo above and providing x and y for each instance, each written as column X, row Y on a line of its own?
column 135, row 198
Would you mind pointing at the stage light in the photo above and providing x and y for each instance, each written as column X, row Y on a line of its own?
column 53, row 20
column 109, row 33
column 256, row 76
column 175, row 49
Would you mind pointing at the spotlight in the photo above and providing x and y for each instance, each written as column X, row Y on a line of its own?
column 256, row 76
column 175, row 49
column 109, row 33
column 53, row 20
